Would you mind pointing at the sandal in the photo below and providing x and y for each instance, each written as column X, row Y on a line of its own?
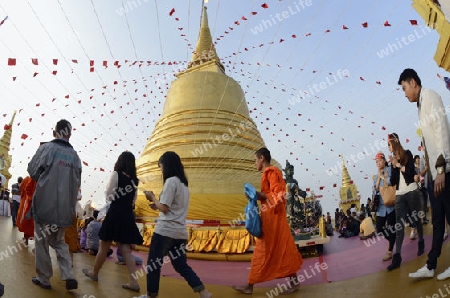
column 131, row 288
column 243, row 289
column 42, row 285
column 86, row 272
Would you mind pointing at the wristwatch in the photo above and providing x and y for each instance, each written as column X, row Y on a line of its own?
column 440, row 170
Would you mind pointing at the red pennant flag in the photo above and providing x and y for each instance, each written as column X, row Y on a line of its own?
column 102, row 169
column 322, row 187
column 91, row 63
column 6, row 127
column 24, row 136
column 365, row 25
column 54, row 72
column 11, row 61
column 264, row 5
column 413, row 22
column 244, row 18
column 34, row 61
column 307, row 189
column 55, row 61
column 344, row 27
column 85, row 163
column 383, row 128
column 378, row 82
column 3, row 21
column 105, row 64
column 14, row 78
column 361, row 78
column 74, row 60
column 254, row 13
column 386, row 24
column 172, row 12
column 91, row 69
column 334, row 185
column 67, row 96
column 35, row 74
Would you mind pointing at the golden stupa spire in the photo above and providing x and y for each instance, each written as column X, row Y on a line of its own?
column 346, row 181
column 5, row 143
column 205, row 50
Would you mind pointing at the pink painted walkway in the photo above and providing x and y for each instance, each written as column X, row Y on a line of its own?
column 343, row 259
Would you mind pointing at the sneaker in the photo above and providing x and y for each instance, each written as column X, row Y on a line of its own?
column 444, row 275
column 413, row 234
column 423, row 272
column 387, row 256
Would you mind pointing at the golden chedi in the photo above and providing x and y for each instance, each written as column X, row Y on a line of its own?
column 348, row 192
column 5, row 157
column 437, row 19
column 207, row 122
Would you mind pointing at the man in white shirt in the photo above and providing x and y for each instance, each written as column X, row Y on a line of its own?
column 436, row 140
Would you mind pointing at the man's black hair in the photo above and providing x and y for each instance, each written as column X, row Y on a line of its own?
column 409, row 74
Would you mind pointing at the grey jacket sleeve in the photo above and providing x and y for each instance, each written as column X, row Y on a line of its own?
column 38, row 164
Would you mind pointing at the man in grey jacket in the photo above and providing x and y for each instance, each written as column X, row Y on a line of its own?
column 57, row 169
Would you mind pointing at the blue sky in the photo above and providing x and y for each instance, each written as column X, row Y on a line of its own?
column 345, row 111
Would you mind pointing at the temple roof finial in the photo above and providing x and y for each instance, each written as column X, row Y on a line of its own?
column 205, row 50
column 346, row 180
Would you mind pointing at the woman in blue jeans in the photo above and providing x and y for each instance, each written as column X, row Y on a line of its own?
column 407, row 199
column 385, row 220
column 170, row 235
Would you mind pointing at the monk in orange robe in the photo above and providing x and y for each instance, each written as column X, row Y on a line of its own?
column 27, row 188
column 275, row 254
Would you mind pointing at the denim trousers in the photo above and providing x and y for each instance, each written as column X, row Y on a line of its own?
column 407, row 207
column 440, row 208
column 14, row 210
column 385, row 225
column 160, row 247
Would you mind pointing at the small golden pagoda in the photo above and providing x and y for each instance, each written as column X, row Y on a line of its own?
column 5, row 158
column 348, row 192
column 431, row 12
column 206, row 121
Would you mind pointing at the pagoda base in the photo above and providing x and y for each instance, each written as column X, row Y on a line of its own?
column 218, row 241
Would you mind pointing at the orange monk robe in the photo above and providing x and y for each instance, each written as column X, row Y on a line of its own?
column 27, row 188
column 71, row 236
column 275, row 254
